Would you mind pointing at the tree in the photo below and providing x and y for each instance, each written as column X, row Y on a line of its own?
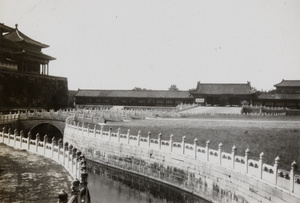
column 138, row 88
column 192, row 90
column 173, row 88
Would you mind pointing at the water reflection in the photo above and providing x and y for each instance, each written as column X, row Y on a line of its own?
column 107, row 184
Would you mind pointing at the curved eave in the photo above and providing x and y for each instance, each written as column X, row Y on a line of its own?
column 39, row 56
column 17, row 36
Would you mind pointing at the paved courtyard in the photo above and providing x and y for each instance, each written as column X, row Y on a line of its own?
column 26, row 177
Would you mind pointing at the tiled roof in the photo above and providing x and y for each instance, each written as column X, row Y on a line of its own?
column 133, row 94
column 215, row 89
column 279, row 96
column 17, row 36
column 5, row 28
column 288, row 83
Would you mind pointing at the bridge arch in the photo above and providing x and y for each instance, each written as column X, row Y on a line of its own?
column 49, row 128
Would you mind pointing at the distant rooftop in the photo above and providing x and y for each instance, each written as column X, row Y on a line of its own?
column 288, row 83
column 133, row 93
column 224, row 88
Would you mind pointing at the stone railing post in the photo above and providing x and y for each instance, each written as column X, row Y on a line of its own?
column 261, row 161
column 183, row 145
column 128, row 136
column 220, row 153
column 72, row 158
column 195, row 147
column 75, row 191
column 52, row 147
column 118, row 135
column 15, row 136
column 109, row 133
column 64, row 153
column 84, row 177
column 73, row 123
column 9, row 133
column 95, row 129
column 159, row 141
column 59, row 143
column 88, row 129
column 69, row 155
column 171, row 143
column 138, row 137
column 148, row 139
column 76, row 162
column 28, row 141
column 276, row 165
column 82, row 127
column 294, row 168
column 101, row 132
column 62, row 197
column 79, row 157
column 21, row 138
column 233, row 156
column 77, row 128
column 3, row 132
column 247, row 156
column 37, row 140
column 45, row 143
column 207, row 150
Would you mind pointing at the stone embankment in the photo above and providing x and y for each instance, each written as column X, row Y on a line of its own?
column 213, row 174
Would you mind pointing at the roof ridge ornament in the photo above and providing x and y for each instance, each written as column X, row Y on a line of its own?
column 16, row 26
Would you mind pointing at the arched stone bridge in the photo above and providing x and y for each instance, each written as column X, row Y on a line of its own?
column 32, row 123
column 30, row 120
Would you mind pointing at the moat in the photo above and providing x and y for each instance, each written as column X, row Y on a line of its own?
column 107, row 184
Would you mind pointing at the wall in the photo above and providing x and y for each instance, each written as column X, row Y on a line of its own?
column 213, row 174
column 20, row 90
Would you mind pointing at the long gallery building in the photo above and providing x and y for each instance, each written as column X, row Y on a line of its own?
column 287, row 94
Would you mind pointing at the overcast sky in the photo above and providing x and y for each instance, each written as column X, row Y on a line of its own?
column 120, row 44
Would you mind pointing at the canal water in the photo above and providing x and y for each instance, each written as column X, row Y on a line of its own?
column 111, row 185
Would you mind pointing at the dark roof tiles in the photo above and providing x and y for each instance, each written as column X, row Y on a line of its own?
column 288, row 83
column 133, row 94
column 17, row 36
column 215, row 89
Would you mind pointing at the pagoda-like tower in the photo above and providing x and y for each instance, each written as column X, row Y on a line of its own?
column 25, row 82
